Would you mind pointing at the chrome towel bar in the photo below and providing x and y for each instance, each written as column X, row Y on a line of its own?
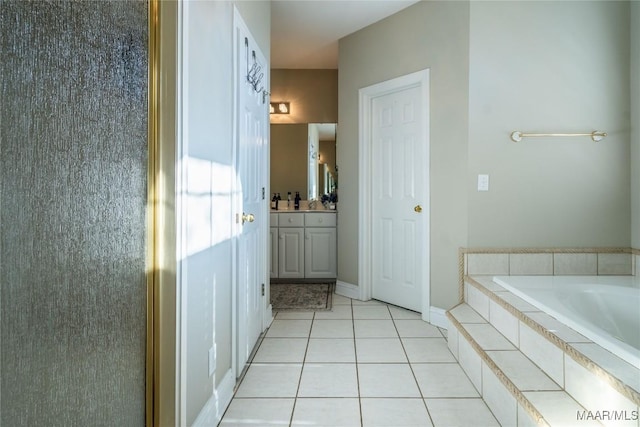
column 596, row 135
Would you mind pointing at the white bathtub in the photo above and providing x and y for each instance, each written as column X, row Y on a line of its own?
column 605, row 309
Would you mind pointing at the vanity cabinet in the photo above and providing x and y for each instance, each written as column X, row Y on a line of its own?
column 290, row 245
column 320, row 260
column 273, row 252
column 303, row 245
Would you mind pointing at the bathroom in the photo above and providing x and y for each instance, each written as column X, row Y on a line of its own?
column 561, row 67
column 497, row 73
column 496, row 67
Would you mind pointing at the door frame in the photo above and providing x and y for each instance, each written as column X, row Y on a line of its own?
column 365, row 184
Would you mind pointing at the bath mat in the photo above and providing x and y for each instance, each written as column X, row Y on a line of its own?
column 301, row 296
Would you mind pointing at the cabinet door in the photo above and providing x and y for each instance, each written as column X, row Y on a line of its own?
column 320, row 253
column 291, row 252
column 273, row 231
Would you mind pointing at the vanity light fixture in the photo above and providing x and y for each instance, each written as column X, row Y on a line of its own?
column 279, row 108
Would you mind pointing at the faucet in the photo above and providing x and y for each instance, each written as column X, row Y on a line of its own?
column 312, row 203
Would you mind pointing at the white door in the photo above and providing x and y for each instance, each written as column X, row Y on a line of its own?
column 399, row 218
column 251, row 123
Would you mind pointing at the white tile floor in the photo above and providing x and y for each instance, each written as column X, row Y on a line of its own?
column 361, row 364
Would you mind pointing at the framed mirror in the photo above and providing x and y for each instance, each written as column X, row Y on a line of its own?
column 303, row 159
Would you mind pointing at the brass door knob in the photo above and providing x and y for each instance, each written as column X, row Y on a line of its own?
column 248, row 218
column 418, row 208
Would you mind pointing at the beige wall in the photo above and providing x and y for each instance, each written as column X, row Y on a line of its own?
column 289, row 159
column 566, row 68
column 563, row 69
column 635, row 124
column 432, row 35
column 313, row 95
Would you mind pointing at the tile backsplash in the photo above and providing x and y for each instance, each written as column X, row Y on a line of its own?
column 560, row 262
column 547, row 262
column 615, row 264
column 530, row 264
column 481, row 264
column 575, row 264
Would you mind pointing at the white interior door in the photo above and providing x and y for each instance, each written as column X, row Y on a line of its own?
column 398, row 199
column 252, row 135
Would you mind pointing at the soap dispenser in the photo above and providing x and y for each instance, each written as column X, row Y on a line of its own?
column 296, row 204
column 274, row 202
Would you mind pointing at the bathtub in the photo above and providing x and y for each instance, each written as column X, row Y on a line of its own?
column 605, row 309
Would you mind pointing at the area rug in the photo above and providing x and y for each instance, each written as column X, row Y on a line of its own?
column 301, row 296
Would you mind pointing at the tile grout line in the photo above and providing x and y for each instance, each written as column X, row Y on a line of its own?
column 424, row 402
column 355, row 356
column 304, row 361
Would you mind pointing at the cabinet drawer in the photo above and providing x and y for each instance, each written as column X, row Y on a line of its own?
column 273, row 220
column 320, row 220
column 290, row 220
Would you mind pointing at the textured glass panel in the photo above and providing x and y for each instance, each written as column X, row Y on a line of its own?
column 73, row 162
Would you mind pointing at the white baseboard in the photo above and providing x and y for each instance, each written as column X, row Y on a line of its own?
column 347, row 290
column 214, row 409
column 438, row 317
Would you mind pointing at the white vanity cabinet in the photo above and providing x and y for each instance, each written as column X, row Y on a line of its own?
column 303, row 245
column 273, row 253
column 290, row 245
column 320, row 260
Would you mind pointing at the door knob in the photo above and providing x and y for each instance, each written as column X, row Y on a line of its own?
column 248, row 218
column 418, row 208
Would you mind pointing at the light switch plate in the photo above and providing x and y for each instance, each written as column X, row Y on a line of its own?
column 483, row 182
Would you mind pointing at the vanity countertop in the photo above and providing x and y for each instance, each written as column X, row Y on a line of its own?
column 307, row 210
column 304, row 208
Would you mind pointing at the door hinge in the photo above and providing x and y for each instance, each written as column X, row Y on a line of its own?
column 263, row 193
column 263, row 289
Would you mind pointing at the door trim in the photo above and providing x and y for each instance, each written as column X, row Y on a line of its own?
column 151, row 386
column 162, row 378
column 365, row 188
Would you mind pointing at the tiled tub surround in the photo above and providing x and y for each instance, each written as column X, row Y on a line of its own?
column 534, row 370
column 548, row 261
column 545, row 261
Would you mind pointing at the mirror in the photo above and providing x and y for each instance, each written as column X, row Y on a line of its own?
column 303, row 159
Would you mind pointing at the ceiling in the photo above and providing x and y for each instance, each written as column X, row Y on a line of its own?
column 305, row 33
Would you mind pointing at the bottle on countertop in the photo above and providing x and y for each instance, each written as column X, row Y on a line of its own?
column 274, row 202
column 279, row 198
column 289, row 199
column 296, row 204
